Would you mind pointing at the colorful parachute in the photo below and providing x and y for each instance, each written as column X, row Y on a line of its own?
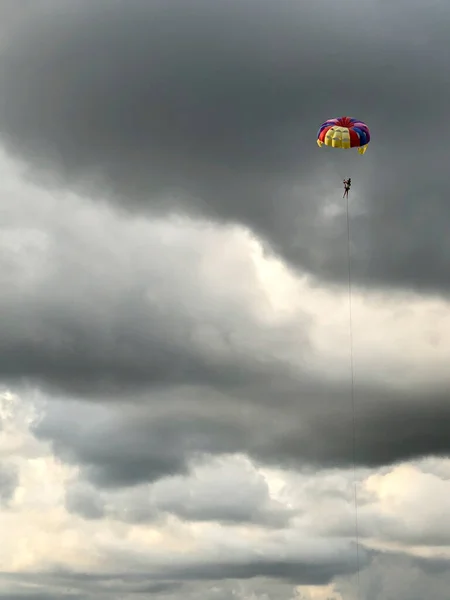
column 345, row 133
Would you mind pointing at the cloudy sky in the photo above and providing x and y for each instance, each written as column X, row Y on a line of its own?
column 175, row 382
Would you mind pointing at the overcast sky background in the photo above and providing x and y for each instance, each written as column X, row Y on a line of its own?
column 175, row 408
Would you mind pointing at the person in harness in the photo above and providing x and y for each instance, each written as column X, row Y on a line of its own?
column 347, row 186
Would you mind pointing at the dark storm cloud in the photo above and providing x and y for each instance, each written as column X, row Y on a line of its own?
column 219, row 102
column 140, row 454
column 388, row 429
column 143, row 314
column 145, row 446
column 311, row 433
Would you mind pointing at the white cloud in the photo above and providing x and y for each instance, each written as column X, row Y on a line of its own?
column 398, row 505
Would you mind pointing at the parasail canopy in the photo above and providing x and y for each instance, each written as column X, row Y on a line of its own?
column 345, row 133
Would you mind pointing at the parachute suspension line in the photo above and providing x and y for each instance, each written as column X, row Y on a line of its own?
column 352, row 393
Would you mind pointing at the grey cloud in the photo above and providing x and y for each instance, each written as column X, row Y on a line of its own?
column 84, row 503
column 432, row 566
column 137, row 454
column 12, row 13
column 140, row 586
column 399, row 576
column 294, row 571
column 78, row 317
column 97, row 304
column 226, row 498
column 58, row 584
column 9, row 480
column 45, row 595
column 308, row 562
column 223, row 492
column 217, row 105
column 390, row 575
column 318, row 566
column 40, row 596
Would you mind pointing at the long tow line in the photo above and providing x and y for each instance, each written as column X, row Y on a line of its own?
column 352, row 393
